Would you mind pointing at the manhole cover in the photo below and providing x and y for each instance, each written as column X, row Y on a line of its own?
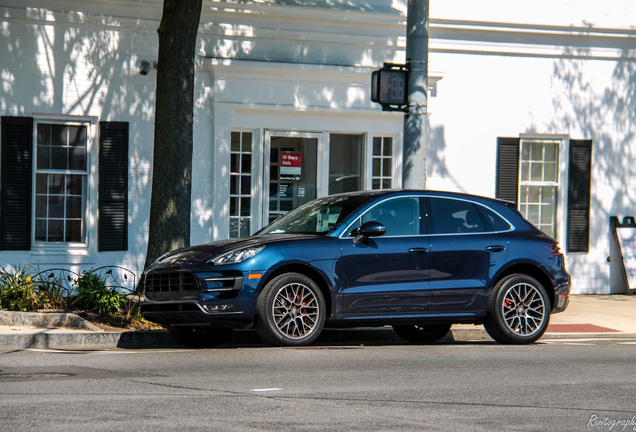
column 36, row 375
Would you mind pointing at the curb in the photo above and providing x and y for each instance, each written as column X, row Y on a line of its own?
column 94, row 338
column 245, row 338
column 46, row 319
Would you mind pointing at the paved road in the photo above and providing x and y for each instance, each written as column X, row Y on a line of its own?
column 563, row 385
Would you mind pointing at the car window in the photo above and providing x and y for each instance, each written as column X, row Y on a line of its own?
column 316, row 217
column 449, row 216
column 492, row 221
column 400, row 216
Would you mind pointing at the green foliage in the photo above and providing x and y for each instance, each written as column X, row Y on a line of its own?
column 55, row 295
column 24, row 289
column 18, row 292
column 92, row 293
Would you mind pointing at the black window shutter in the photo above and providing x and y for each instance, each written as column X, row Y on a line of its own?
column 507, row 182
column 113, row 186
column 579, row 195
column 16, row 160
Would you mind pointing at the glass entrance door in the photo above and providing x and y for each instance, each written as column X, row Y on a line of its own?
column 293, row 167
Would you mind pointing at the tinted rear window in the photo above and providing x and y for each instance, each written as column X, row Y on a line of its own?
column 452, row 216
column 492, row 221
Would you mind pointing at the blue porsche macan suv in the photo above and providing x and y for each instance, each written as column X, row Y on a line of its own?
column 419, row 261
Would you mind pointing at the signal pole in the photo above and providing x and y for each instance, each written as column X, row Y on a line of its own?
column 415, row 146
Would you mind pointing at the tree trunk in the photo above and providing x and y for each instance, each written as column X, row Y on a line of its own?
column 172, row 160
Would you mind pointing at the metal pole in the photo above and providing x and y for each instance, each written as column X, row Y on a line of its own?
column 415, row 122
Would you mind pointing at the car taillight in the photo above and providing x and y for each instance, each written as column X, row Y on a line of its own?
column 555, row 249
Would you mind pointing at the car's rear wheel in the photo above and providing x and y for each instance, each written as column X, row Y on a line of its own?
column 422, row 334
column 290, row 311
column 519, row 310
column 200, row 337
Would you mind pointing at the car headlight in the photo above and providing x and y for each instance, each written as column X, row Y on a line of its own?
column 237, row 256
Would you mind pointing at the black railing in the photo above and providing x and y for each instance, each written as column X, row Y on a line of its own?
column 57, row 288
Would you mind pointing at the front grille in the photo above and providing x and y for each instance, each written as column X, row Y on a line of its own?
column 171, row 285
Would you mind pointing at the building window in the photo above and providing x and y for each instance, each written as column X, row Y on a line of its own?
column 539, row 183
column 240, row 184
column 55, row 209
column 528, row 175
column 60, row 183
column 382, row 174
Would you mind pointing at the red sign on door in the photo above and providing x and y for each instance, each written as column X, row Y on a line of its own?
column 290, row 163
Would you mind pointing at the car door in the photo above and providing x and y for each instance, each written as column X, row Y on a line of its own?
column 464, row 255
column 386, row 275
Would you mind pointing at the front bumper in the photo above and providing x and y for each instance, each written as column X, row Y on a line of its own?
column 198, row 298
column 193, row 313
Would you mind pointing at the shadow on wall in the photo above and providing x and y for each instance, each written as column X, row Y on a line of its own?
column 270, row 40
column 608, row 117
column 59, row 64
column 436, row 157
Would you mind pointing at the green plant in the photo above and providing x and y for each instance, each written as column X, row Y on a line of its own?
column 130, row 310
column 18, row 292
column 54, row 294
column 92, row 293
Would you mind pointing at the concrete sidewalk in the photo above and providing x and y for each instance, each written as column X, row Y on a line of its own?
column 586, row 316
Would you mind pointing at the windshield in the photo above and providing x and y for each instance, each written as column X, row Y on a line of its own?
column 316, row 217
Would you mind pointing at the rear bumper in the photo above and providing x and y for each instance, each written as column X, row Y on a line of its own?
column 561, row 296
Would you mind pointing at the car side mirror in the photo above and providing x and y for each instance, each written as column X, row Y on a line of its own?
column 368, row 229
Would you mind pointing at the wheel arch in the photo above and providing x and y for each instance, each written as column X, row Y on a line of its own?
column 309, row 272
column 533, row 271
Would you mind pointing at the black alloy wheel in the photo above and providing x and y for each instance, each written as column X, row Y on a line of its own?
column 290, row 311
column 518, row 311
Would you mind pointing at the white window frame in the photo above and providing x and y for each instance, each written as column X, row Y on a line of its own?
column 88, row 245
column 560, row 219
column 392, row 161
column 240, row 174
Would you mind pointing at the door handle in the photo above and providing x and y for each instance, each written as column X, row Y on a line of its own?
column 495, row 248
column 418, row 250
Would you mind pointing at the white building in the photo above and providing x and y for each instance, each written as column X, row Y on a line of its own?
column 532, row 101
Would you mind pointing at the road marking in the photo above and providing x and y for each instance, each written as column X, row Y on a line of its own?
column 55, row 351
column 569, row 342
column 267, row 390
column 579, row 344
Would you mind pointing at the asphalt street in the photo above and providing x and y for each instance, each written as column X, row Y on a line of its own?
column 601, row 315
column 558, row 385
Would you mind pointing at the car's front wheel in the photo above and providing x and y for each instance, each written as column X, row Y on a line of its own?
column 518, row 311
column 422, row 334
column 200, row 337
column 290, row 311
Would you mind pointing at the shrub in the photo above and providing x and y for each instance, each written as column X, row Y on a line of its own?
column 92, row 293
column 55, row 294
column 18, row 292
